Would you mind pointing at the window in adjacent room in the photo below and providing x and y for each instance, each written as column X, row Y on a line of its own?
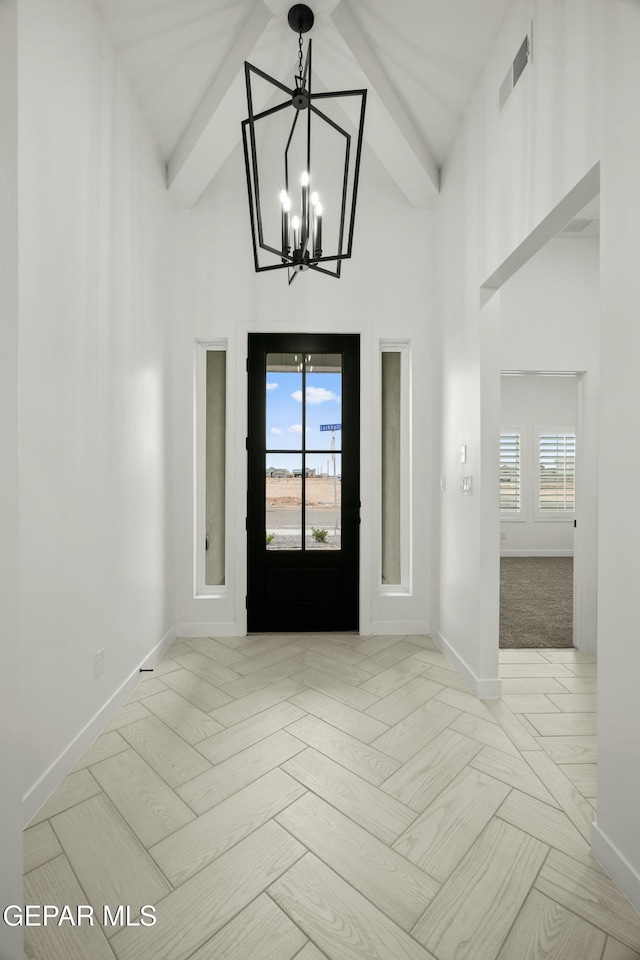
column 510, row 474
column 556, row 475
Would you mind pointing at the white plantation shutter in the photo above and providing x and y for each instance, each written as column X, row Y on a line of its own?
column 556, row 473
column 510, row 470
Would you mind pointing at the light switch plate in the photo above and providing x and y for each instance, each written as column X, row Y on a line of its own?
column 463, row 453
column 466, row 486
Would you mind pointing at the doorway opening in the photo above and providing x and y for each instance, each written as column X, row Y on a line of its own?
column 303, row 495
column 540, row 314
column 538, row 445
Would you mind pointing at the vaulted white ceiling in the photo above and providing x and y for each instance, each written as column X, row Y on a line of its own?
column 419, row 59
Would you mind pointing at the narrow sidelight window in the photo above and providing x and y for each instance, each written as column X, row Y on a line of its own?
column 395, row 468
column 210, row 464
column 391, row 493
column 216, row 415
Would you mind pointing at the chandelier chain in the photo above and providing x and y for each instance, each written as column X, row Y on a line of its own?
column 300, row 56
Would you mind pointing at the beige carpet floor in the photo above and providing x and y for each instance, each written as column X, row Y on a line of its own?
column 536, row 602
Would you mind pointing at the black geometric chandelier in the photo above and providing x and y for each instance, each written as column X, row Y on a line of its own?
column 302, row 170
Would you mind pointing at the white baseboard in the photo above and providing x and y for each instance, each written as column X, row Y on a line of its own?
column 536, row 553
column 616, row 864
column 55, row 774
column 209, row 630
column 389, row 628
column 374, row 628
column 484, row 689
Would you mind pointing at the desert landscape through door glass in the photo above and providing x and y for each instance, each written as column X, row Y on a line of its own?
column 303, row 451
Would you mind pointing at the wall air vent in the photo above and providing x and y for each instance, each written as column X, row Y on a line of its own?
column 521, row 60
column 515, row 71
column 578, row 224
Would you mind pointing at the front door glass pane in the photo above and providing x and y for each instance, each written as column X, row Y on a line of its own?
column 323, row 408
column 283, row 502
column 323, row 503
column 284, row 401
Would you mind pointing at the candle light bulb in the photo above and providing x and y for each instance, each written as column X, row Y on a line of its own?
column 305, row 225
column 286, row 207
column 317, row 230
column 314, row 199
column 295, row 224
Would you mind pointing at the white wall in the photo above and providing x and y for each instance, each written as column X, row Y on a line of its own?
column 10, row 700
column 96, row 247
column 504, row 178
column 384, row 292
column 529, row 404
column 617, row 838
column 550, row 309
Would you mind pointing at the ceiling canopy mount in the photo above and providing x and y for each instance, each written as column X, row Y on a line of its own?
column 300, row 18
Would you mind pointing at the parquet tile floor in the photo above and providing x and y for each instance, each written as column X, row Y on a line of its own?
column 332, row 798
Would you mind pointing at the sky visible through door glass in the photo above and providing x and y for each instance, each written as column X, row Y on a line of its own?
column 284, row 417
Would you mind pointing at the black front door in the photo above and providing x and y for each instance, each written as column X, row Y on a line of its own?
column 303, row 509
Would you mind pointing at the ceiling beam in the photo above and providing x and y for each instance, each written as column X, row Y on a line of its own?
column 346, row 62
column 214, row 130
column 389, row 130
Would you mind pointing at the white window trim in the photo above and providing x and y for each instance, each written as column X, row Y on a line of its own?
column 404, row 588
column 516, row 516
column 201, row 589
column 538, row 516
